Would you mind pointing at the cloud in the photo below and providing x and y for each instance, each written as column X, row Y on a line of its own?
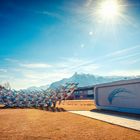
column 130, row 62
column 21, row 83
column 46, row 13
column 125, row 56
column 34, row 74
column 49, row 76
column 3, row 70
column 91, row 68
column 35, row 11
column 88, row 3
column 134, row 61
column 123, row 51
column 36, row 65
column 24, row 76
column 125, row 73
column 72, row 65
column 63, row 69
column 36, row 78
column 4, row 77
column 11, row 60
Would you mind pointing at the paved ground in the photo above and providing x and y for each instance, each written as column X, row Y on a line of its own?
column 77, row 105
column 121, row 119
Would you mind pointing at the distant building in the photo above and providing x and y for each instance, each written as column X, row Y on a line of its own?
column 83, row 93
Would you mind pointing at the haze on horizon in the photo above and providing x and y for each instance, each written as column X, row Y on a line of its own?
column 45, row 41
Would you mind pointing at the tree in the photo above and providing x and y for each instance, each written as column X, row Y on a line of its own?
column 7, row 85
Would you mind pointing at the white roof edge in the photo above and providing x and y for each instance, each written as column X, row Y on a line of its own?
column 120, row 82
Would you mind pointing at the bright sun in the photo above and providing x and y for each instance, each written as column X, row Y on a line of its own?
column 109, row 9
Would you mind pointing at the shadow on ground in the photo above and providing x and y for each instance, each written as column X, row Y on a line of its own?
column 51, row 109
column 119, row 114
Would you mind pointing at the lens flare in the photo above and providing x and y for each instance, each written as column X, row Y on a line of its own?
column 109, row 9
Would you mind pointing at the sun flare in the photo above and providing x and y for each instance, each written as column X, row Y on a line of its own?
column 109, row 9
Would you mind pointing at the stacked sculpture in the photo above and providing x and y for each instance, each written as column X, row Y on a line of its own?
column 42, row 98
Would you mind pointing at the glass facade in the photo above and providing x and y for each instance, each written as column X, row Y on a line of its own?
column 84, row 94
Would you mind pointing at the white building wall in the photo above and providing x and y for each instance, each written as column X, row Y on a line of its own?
column 122, row 95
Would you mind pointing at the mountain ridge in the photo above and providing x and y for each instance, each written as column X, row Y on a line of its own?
column 89, row 79
column 83, row 80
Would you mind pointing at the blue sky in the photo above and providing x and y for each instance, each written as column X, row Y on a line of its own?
column 47, row 40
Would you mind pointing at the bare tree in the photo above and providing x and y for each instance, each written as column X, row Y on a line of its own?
column 7, row 85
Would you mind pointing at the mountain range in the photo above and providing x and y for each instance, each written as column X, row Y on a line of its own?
column 84, row 80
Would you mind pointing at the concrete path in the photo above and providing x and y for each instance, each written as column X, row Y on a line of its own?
column 131, row 121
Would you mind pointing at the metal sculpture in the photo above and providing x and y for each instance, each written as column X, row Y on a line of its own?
column 37, row 98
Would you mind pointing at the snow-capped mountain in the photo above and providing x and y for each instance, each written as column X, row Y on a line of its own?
column 83, row 80
column 88, row 79
column 33, row 88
